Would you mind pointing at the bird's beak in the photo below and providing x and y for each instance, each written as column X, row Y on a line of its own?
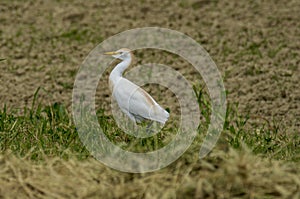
column 110, row 53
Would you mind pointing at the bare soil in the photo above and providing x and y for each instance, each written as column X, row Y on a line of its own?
column 254, row 44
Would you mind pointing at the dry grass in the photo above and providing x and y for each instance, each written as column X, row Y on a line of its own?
column 232, row 174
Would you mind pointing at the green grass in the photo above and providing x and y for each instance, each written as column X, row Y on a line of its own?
column 49, row 130
column 81, row 35
column 266, row 139
column 75, row 34
column 39, row 131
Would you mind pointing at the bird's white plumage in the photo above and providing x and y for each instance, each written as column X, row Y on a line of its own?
column 136, row 103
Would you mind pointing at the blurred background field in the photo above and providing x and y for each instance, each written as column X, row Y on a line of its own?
column 255, row 45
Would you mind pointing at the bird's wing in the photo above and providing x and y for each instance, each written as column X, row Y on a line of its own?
column 138, row 102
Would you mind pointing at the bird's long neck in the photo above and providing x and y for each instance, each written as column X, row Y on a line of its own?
column 117, row 72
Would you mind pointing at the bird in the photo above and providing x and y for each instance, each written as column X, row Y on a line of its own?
column 134, row 101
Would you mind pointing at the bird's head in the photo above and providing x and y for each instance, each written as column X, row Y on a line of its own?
column 123, row 53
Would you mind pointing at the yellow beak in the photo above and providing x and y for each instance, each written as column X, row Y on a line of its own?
column 110, row 53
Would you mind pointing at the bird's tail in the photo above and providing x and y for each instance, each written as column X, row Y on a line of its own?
column 159, row 114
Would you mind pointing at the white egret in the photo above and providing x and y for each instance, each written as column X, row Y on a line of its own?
column 135, row 102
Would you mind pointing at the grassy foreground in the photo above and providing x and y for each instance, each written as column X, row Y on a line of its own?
column 42, row 157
